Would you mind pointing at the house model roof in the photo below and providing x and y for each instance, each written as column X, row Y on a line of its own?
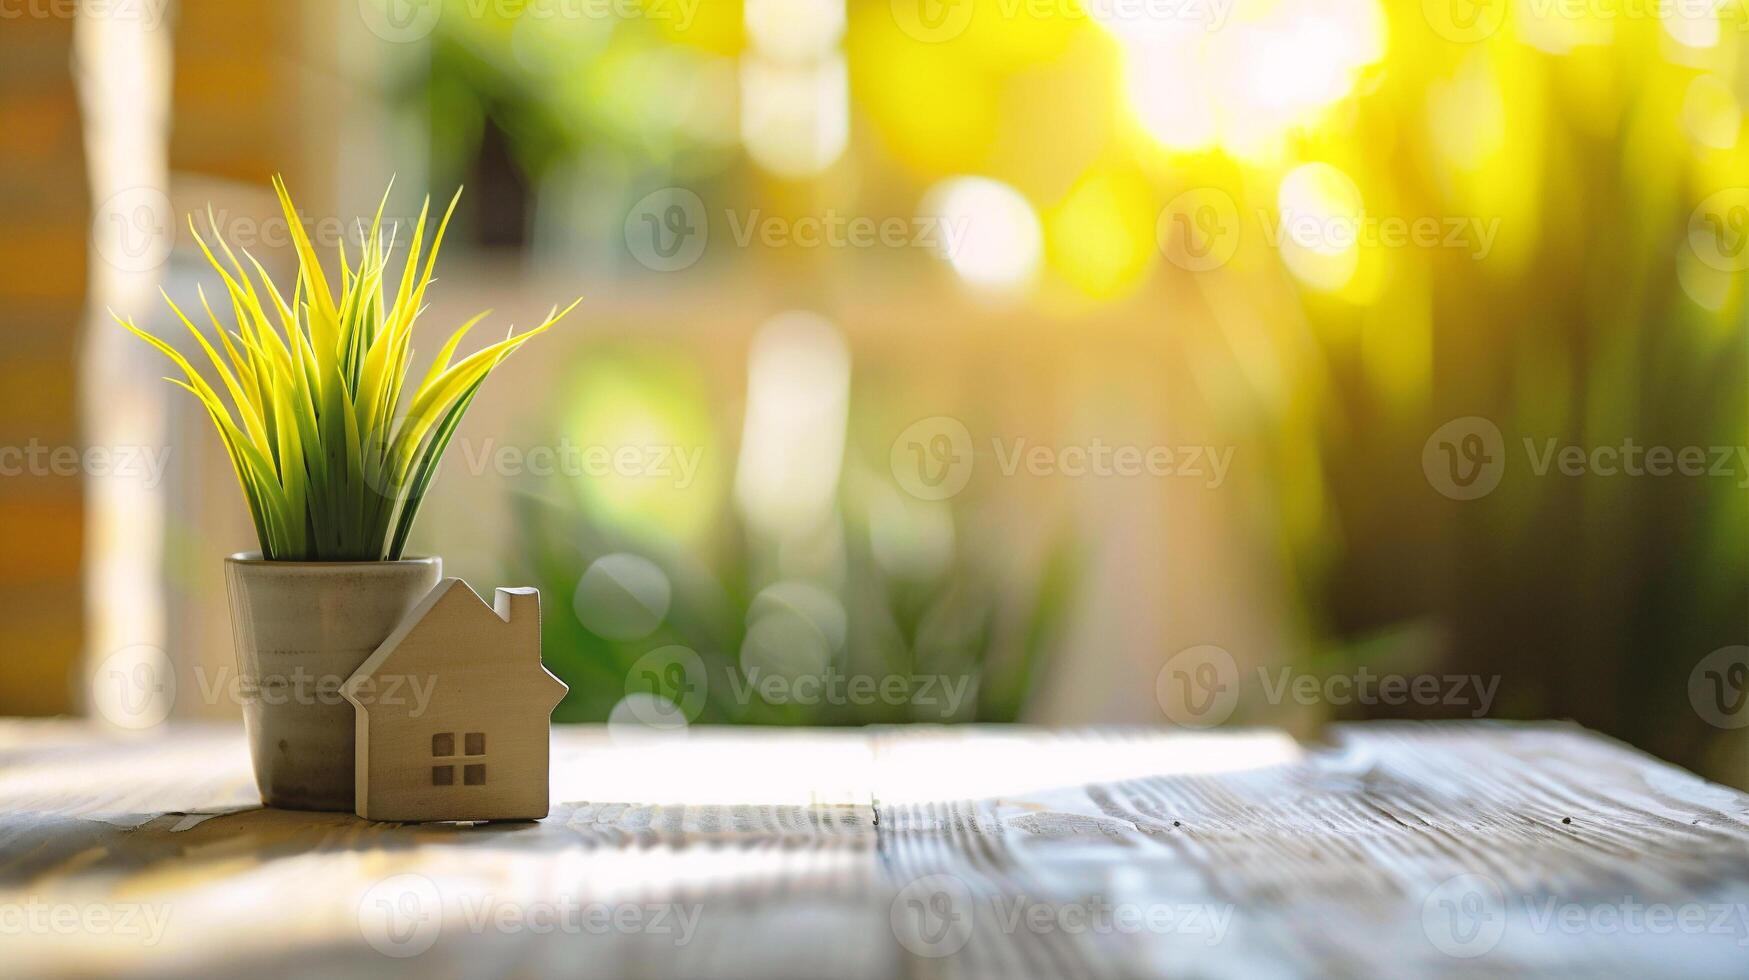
column 452, row 614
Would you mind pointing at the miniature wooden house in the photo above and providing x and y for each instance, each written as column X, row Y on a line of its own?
column 454, row 711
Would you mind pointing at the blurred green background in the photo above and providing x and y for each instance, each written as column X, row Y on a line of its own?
column 847, row 262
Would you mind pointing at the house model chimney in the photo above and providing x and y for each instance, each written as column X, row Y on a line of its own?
column 517, row 605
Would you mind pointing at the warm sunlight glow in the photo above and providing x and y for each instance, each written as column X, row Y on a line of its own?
column 1167, row 93
column 1694, row 25
column 792, row 445
column 987, row 231
column 1710, row 113
column 1101, row 237
column 626, row 411
column 795, row 119
column 1272, row 68
column 1013, row 762
column 794, row 30
column 913, row 765
column 1321, row 217
column 755, row 766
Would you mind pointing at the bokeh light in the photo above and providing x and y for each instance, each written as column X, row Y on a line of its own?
column 622, row 597
column 647, row 450
column 1269, row 68
column 1321, row 217
column 1101, row 237
column 989, row 234
column 792, row 444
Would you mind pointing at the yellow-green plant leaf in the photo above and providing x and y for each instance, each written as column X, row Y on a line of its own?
column 327, row 469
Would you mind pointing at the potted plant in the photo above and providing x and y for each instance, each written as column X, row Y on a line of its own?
column 333, row 463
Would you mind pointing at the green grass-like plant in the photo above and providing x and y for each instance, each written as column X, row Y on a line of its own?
column 331, row 466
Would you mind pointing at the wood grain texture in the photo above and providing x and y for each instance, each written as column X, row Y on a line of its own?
column 1402, row 850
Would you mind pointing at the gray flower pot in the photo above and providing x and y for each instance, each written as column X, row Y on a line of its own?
column 301, row 629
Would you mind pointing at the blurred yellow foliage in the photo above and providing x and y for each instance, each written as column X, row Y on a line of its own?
column 1100, row 239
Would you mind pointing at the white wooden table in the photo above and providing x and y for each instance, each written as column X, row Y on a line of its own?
column 1401, row 851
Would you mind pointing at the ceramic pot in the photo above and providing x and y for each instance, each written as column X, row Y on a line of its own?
column 301, row 629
